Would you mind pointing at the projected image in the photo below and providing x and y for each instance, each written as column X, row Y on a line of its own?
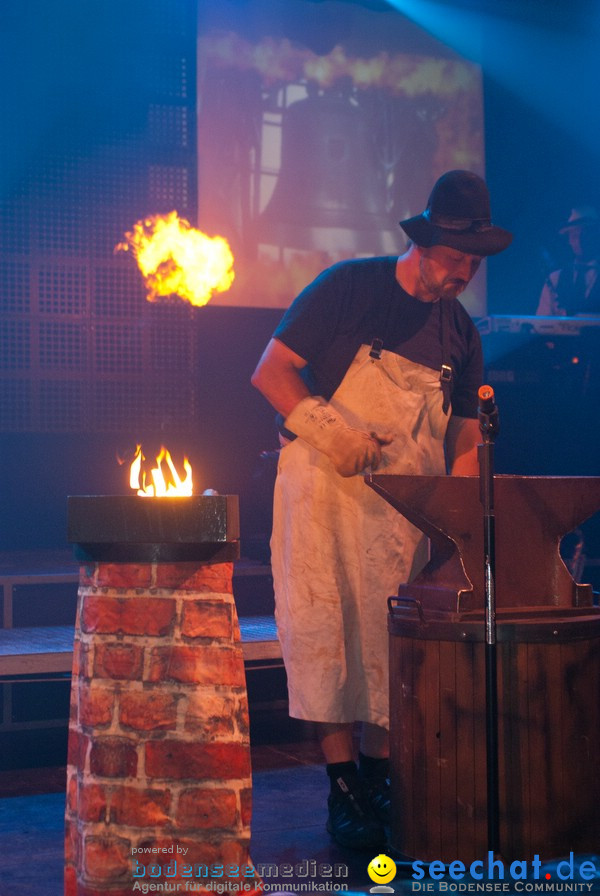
column 307, row 157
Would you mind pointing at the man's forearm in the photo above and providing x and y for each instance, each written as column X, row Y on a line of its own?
column 462, row 439
column 277, row 377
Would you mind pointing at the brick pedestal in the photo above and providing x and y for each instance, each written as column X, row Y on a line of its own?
column 159, row 780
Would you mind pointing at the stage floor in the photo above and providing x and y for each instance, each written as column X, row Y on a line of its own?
column 288, row 826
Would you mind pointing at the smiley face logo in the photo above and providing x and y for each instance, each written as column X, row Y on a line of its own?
column 382, row 869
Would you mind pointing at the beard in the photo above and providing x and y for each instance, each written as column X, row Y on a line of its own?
column 436, row 286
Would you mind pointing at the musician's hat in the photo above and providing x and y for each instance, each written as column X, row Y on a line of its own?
column 458, row 215
column 581, row 216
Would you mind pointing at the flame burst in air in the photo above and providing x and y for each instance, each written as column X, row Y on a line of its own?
column 165, row 480
column 177, row 259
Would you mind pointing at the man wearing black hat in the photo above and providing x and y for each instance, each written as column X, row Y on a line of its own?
column 376, row 365
column 575, row 288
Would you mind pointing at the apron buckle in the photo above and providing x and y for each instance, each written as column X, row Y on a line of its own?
column 445, row 373
column 376, row 349
column 446, row 381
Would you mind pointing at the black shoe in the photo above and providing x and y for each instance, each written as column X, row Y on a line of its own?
column 352, row 822
column 377, row 791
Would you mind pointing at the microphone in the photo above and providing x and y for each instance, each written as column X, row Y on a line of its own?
column 487, row 411
column 486, row 399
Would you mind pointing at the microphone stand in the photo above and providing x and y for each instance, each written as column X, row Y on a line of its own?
column 488, row 424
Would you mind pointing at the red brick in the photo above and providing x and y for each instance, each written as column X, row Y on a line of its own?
column 76, row 664
column 198, row 851
column 211, row 712
column 95, row 705
column 71, row 842
column 207, row 619
column 246, row 803
column 71, row 792
column 93, row 802
column 106, row 614
column 207, row 809
column 201, row 852
column 113, row 757
column 199, row 577
column 78, row 747
column 125, row 575
column 71, row 881
column 118, row 661
column 148, row 710
column 106, row 860
column 81, row 656
column 198, row 664
column 78, row 613
column 237, row 636
column 180, row 760
column 73, row 706
column 140, row 807
column 243, row 720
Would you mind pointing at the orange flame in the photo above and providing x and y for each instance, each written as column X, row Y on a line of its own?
column 177, row 259
column 161, row 486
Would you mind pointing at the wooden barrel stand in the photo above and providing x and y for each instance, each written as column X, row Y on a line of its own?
column 548, row 673
column 548, row 727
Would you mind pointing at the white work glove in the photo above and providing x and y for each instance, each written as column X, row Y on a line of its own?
column 350, row 450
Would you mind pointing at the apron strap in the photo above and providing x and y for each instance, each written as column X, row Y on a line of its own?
column 446, row 374
column 446, row 369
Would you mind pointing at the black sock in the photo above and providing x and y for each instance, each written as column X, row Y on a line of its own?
column 341, row 775
column 373, row 766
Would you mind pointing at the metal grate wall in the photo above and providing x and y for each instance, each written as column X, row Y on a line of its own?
column 80, row 347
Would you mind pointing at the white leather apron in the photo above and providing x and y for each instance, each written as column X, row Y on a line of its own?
column 339, row 550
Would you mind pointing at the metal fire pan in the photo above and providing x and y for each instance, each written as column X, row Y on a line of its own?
column 134, row 528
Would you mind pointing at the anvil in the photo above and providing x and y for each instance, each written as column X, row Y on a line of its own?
column 532, row 515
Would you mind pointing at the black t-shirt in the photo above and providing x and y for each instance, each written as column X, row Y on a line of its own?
column 357, row 301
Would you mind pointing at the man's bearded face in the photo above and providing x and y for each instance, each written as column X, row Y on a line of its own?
column 444, row 272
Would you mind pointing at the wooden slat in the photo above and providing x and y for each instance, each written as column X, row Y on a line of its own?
column 548, row 735
column 259, row 638
column 510, row 753
column 450, row 742
column 580, row 714
column 420, row 761
column 414, row 814
column 430, row 695
column 480, row 842
column 541, row 745
column 466, row 804
column 37, row 650
column 407, row 811
column 555, row 717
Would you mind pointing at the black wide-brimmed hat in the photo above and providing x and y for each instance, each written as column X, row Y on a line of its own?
column 458, row 215
column 581, row 216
